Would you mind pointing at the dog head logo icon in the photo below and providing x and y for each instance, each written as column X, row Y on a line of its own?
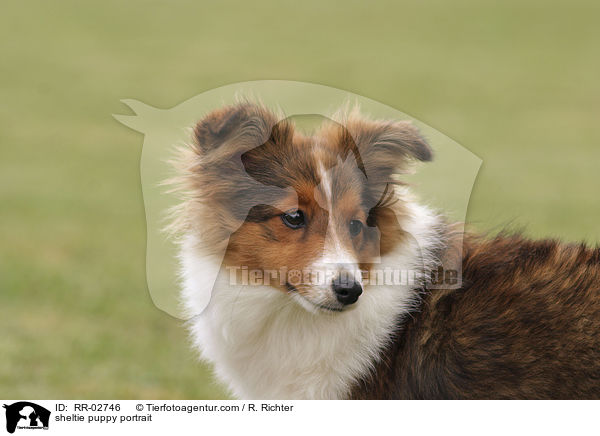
column 26, row 415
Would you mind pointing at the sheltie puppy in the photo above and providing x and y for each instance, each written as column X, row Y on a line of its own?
column 297, row 226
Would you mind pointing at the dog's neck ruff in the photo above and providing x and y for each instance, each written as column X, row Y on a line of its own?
column 263, row 344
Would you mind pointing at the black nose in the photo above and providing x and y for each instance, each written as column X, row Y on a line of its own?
column 347, row 292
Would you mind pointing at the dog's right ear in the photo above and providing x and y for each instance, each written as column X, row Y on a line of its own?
column 246, row 125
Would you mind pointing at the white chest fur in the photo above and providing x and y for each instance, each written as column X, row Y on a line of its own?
column 265, row 345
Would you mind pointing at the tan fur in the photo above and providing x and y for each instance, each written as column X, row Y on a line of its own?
column 248, row 149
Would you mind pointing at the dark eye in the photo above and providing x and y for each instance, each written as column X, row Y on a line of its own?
column 293, row 219
column 355, row 227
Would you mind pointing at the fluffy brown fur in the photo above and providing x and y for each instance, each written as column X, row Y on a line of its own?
column 524, row 325
column 250, row 165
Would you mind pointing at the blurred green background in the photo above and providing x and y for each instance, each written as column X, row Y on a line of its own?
column 515, row 82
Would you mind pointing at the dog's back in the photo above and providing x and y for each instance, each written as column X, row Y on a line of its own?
column 525, row 324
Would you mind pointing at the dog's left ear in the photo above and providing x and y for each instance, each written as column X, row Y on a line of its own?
column 386, row 147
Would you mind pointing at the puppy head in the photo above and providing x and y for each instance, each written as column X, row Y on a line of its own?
column 303, row 214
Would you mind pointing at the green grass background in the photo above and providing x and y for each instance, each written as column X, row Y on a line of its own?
column 516, row 82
